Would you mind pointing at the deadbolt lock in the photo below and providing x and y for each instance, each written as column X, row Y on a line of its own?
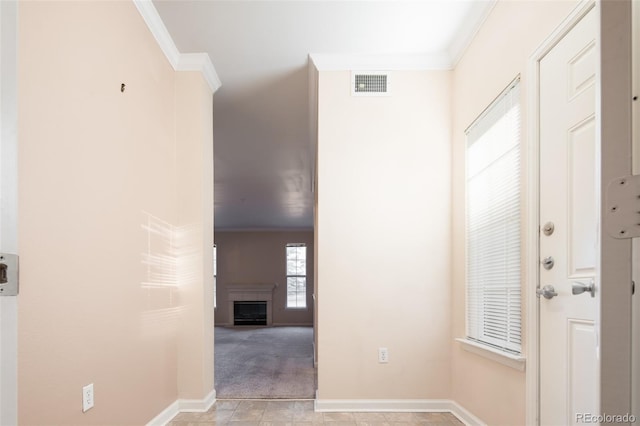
column 548, row 262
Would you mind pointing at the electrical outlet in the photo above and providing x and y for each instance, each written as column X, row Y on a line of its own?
column 87, row 397
column 383, row 355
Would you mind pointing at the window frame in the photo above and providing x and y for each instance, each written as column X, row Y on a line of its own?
column 296, row 276
column 480, row 340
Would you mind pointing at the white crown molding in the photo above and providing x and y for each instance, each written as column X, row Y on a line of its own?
column 179, row 61
column 400, row 62
column 447, row 60
column 398, row 406
column 476, row 18
column 200, row 62
column 159, row 30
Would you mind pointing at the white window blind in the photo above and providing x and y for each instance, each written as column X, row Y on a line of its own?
column 296, row 275
column 493, row 224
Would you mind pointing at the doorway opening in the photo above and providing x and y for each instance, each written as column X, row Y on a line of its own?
column 264, row 315
column 596, row 360
column 264, row 363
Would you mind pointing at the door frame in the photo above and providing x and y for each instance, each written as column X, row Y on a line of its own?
column 616, row 160
column 614, row 347
column 532, row 411
column 9, row 207
column 635, row 367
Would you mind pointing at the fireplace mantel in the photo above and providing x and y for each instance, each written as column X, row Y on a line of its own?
column 251, row 287
column 251, row 292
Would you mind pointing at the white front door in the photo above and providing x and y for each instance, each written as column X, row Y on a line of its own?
column 568, row 228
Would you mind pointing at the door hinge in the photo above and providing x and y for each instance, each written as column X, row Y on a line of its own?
column 622, row 213
column 633, row 288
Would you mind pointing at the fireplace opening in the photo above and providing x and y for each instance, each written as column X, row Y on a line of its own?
column 250, row 313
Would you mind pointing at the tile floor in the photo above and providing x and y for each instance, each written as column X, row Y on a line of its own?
column 282, row 413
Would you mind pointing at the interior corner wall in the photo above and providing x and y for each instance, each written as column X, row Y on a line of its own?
column 102, row 206
column 383, row 238
column 194, row 152
column 257, row 257
column 499, row 52
column 313, row 118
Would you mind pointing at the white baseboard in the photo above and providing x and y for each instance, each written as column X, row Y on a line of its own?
column 198, row 405
column 465, row 416
column 184, row 406
column 336, row 405
column 399, row 406
column 166, row 415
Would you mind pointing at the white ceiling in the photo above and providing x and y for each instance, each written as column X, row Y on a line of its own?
column 263, row 152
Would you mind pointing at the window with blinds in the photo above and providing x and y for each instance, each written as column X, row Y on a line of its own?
column 493, row 224
column 296, row 275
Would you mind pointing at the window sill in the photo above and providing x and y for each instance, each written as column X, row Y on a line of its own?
column 295, row 308
column 516, row 362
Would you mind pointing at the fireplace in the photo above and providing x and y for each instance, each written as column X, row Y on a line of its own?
column 250, row 313
column 251, row 293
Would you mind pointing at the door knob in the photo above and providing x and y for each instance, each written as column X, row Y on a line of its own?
column 579, row 288
column 548, row 292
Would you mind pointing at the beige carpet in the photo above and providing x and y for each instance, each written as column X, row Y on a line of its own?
column 268, row 362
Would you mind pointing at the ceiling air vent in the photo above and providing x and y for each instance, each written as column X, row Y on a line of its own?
column 370, row 84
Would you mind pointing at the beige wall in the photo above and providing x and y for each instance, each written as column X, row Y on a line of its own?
column 194, row 156
column 383, row 238
column 111, row 271
column 259, row 257
column 497, row 55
